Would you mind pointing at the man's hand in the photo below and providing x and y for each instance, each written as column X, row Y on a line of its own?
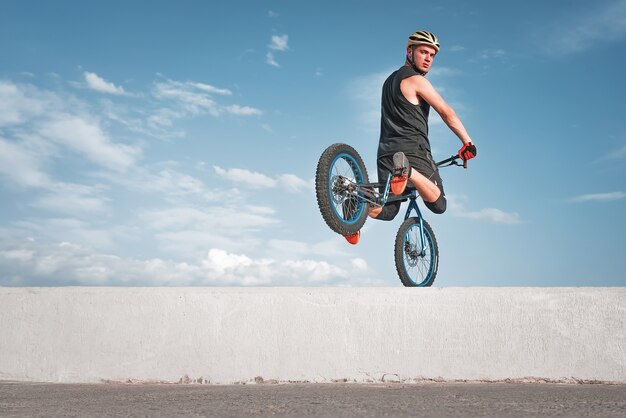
column 468, row 151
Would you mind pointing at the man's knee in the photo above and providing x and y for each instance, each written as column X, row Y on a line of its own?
column 439, row 206
column 389, row 212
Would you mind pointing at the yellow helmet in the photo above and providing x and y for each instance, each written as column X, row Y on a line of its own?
column 421, row 37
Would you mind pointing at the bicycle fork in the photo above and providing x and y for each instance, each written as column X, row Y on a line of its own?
column 413, row 206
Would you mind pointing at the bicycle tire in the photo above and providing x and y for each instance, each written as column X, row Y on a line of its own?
column 413, row 268
column 340, row 170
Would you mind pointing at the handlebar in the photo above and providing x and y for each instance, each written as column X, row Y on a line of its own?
column 451, row 161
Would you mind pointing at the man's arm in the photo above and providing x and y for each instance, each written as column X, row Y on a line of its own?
column 427, row 92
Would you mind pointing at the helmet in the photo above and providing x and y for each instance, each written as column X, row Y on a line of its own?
column 421, row 37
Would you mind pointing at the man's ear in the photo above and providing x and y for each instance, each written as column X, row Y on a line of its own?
column 409, row 52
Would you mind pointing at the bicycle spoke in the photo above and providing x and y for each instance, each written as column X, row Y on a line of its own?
column 417, row 265
column 344, row 188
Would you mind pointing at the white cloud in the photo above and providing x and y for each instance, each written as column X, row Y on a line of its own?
column 187, row 231
column 67, row 229
column 242, row 110
column 193, row 99
column 457, row 208
column 246, row 177
column 210, row 89
column 214, row 218
column 294, row 183
column 42, row 126
column 241, row 176
column 56, row 131
column 365, row 92
column 19, row 103
column 359, row 264
column 279, row 43
column 221, row 261
column 587, row 28
column 164, row 117
column 166, row 183
column 491, row 54
column 187, row 95
column 190, row 243
column 21, row 165
column 30, row 262
column 171, row 182
column 87, row 138
column 81, row 230
column 288, row 248
column 269, row 59
column 599, row 197
column 142, row 118
column 492, row 215
column 72, row 199
column 97, row 83
column 19, row 255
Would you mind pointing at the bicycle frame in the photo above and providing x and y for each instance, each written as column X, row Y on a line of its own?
column 368, row 192
column 413, row 206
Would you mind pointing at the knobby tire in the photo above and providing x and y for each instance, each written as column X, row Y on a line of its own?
column 413, row 268
column 340, row 172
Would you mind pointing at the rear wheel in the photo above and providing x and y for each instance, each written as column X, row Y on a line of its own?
column 339, row 176
column 416, row 264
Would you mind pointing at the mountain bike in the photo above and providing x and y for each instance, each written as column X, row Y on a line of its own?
column 344, row 195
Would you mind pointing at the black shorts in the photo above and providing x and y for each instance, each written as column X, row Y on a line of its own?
column 422, row 162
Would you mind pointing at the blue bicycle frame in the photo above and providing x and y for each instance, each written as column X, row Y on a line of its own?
column 412, row 196
column 413, row 206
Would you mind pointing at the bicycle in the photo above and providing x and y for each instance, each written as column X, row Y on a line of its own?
column 344, row 194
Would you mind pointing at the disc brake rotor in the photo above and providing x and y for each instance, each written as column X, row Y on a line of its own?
column 412, row 254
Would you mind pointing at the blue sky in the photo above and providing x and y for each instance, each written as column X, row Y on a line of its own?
column 175, row 143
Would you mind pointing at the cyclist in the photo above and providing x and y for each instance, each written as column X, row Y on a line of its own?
column 404, row 147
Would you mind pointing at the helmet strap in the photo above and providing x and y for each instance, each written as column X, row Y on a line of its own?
column 412, row 62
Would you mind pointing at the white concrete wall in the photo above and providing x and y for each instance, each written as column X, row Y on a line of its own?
column 225, row 335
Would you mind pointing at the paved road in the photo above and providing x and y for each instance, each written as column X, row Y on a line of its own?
column 297, row 400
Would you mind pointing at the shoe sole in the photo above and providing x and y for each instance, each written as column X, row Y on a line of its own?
column 400, row 173
column 354, row 238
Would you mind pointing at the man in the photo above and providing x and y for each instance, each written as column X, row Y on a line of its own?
column 404, row 147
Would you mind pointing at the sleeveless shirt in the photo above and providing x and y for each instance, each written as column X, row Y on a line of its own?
column 403, row 125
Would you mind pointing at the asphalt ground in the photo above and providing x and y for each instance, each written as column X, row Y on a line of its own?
column 314, row 400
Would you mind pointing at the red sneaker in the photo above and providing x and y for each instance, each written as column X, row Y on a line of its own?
column 400, row 173
column 353, row 238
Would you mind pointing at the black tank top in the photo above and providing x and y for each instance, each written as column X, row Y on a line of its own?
column 403, row 125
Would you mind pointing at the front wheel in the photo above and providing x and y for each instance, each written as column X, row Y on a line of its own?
column 338, row 179
column 416, row 263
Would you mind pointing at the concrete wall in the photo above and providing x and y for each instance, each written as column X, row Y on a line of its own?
column 226, row 335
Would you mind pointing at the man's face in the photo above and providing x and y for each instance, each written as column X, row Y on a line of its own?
column 423, row 56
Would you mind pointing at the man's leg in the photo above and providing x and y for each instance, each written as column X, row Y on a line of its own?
column 375, row 211
column 384, row 166
column 425, row 178
column 429, row 191
column 422, row 172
